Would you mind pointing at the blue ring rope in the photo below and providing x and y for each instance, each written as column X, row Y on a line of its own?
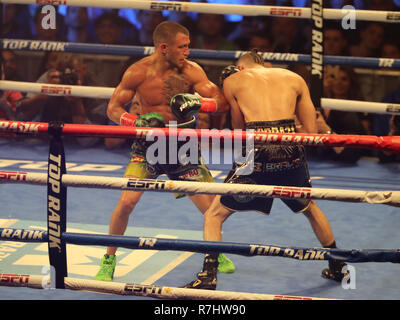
column 124, row 50
column 152, row 243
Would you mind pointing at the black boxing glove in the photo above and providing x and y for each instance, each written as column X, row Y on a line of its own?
column 185, row 105
column 226, row 72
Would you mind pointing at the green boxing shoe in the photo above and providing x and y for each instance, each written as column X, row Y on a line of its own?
column 107, row 267
column 225, row 265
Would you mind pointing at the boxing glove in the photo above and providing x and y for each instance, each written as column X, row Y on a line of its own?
column 185, row 105
column 226, row 72
column 151, row 119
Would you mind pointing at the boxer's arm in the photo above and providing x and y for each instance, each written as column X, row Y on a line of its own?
column 124, row 93
column 205, row 88
column 237, row 117
column 305, row 110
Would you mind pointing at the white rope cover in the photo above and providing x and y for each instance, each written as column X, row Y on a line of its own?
column 391, row 198
column 160, row 292
column 106, row 93
column 245, row 10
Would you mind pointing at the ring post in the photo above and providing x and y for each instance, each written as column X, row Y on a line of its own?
column 317, row 53
column 56, row 205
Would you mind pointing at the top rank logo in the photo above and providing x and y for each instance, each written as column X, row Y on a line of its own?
column 20, row 127
column 317, row 39
column 36, row 45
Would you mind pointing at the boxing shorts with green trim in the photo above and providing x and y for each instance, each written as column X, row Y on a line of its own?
column 139, row 167
column 279, row 165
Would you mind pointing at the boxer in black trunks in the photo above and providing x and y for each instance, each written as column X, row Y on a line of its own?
column 272, row 165
column 251, row 90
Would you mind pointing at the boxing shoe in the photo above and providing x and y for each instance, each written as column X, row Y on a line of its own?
column 207, row 278
column 204, row 281
column 225, row 265
column 335, row 271
column 107, row 267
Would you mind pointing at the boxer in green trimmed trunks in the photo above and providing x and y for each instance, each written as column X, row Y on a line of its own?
column 139, row 167
column 159, row 82
column 276, row 97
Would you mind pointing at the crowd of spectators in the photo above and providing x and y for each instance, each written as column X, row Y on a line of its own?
column 208, row 31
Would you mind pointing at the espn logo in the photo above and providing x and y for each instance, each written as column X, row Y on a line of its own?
column 166, row 6
column 148, row 184
column 393, row 16
column 53, row 2
column 59, row 90
column 143, row 289
column 291, row 298
column 13, row 175
column 292, row 192
column 14, row 278
column 395, row 108
column 285, row 12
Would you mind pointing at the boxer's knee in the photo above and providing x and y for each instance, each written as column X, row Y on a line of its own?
column 128, row 201
column 310, row 209
column 217, row 214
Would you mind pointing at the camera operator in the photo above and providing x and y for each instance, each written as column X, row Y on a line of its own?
column 46, row 108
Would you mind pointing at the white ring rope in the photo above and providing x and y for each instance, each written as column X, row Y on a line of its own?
column 244, row 10
column 127, row 289
column 106, row 93
column 374, row 197
column 391, row 198
column 57, row 89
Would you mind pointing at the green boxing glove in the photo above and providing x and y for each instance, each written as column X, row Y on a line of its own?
column 151, row 119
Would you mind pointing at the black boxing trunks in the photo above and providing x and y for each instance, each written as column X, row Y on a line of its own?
column 278, row 165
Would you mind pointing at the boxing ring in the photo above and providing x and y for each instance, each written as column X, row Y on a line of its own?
column 367, row 219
